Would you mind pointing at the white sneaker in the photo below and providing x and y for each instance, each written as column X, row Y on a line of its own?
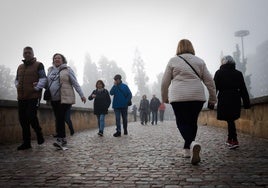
column 195, row 151
column 186, row 153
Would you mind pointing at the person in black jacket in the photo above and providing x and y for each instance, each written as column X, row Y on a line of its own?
column 231, row 87
column 101, row 104
column 154, row 105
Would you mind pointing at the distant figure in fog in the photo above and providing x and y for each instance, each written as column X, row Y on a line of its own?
column 154, row 105
column 231, row 88
column 162, row 109
column 30, row 80
column 182, row 87
column 102, row 101
column 134, row 112
column 122, row 97
column 144, row 110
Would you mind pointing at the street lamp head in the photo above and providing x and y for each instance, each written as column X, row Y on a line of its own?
column 241, row 33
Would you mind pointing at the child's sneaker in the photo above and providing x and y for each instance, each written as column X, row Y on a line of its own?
column 195, row 151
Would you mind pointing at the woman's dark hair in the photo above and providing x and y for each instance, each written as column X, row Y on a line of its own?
column 101, row 82
column 62, row 57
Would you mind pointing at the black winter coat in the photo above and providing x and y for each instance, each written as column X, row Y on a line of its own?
column 231, row 87
column 101, row 102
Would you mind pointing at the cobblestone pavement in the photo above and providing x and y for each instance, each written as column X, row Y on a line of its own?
column 150, row 156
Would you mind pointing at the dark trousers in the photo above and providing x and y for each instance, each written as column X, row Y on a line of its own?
column 161, row 113
column 186, row 118
column 144, row 116
column 28, row 117
column 60, row 113
column 232, row 131
column 154, row 116
column 123, row 113
column 68, row 119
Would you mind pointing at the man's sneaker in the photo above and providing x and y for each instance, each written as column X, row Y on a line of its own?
column 234, row 145
column 100, row 133
column 125, row 132
column 117, row 134
column 195, row 151
column 186, row 153
column 24, row 147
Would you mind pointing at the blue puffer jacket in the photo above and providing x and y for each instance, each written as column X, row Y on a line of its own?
column 122, row 95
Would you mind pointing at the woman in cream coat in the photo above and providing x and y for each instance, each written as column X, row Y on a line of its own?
column 61, row 81
column 182, row 87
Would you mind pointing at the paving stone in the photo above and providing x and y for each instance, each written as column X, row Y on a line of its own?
column 150, row 156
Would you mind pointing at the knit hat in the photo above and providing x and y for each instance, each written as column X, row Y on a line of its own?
column 227, row 59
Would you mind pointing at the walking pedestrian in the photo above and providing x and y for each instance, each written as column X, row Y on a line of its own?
column 102, row 101
column 154, row 105
column 230, row 86
column 68, row 121
column 30, row 80
column 162, row 109
column 134, row 112
column 61, row 81
column 122, row 97
column 186, row 94
column 144, row 110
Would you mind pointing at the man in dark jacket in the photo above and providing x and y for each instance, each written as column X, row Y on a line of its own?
column 154, row 105
column 144, row 110
column 30, row 80
column 231, row 88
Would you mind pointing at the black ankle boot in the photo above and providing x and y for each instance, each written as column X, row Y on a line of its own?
column 24, row 146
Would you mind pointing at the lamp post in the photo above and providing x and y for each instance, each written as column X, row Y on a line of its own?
column 241, row 34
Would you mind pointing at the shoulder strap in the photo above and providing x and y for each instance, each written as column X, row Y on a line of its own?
column 190, row 65
column 50, row 68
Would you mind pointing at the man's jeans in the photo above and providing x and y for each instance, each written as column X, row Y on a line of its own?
column 118, row 112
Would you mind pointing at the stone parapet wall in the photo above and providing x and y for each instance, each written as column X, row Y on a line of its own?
column 82, row 118
column 253, row 121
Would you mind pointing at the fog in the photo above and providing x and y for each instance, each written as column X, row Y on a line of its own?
column 93, row 30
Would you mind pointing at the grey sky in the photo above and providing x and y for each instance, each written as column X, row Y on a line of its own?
column 115, row 28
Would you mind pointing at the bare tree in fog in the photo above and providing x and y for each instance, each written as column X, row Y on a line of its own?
column 241, row 65
column 259, row 70
column 108, row 69
column 156, row 87
column 140, row 77
column 72, row 65
column 7, row 87
column 90, row 76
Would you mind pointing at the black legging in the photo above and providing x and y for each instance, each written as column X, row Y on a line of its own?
column 186, row 118
column 232, row 131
